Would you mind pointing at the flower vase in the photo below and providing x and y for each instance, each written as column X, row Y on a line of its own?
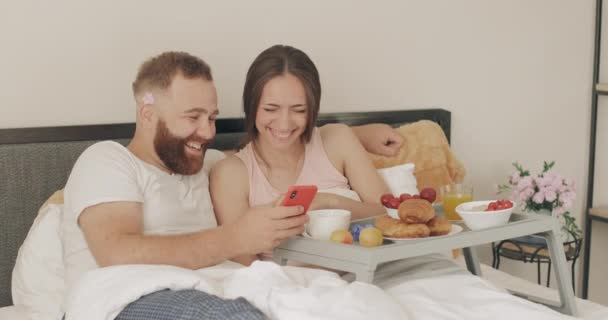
column 562, row 234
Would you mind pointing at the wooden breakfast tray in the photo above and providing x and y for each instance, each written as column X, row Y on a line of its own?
column 363, row 261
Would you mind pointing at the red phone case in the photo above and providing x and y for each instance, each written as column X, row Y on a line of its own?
column 299, row 196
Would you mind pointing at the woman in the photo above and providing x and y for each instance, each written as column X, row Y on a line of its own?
column 284, row 148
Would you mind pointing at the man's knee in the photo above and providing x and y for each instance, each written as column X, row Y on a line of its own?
column 212, row 307
column 190, row 304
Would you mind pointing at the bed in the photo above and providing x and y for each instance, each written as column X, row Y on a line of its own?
column 35, row 162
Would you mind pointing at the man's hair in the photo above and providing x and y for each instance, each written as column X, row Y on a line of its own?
column 158, row 72
column 273, row 62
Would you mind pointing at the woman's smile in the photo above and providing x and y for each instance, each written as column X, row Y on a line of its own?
column 281, row 135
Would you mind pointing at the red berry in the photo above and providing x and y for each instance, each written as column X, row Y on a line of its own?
column 394, row 203
column 428, row 194
column 405, row 196
column 386, row 198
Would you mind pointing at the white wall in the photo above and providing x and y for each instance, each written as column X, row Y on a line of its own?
column 515, row 74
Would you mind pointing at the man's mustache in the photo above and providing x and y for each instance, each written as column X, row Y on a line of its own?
column 201, row 140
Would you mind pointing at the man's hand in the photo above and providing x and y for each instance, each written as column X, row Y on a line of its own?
column 263, row 228
column 379, row 138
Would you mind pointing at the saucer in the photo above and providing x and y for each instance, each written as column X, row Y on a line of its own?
column 455, row 229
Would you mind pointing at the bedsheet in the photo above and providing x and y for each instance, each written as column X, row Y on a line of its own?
column 304, row 293
column 588, row 310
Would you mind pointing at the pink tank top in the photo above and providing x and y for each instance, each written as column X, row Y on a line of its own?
column 317, row 170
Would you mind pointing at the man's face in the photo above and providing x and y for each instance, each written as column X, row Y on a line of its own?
column 186, row 125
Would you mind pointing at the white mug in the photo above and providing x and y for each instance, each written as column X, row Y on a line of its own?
column 324, row 222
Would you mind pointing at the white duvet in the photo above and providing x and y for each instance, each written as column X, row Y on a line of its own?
column 303, row 293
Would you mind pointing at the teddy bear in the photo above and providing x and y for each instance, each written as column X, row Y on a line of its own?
column 426, row 146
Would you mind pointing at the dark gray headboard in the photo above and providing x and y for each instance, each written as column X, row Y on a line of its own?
column 35, row 162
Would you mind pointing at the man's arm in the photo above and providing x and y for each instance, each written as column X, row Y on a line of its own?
column 379, row 138
column 113, row 232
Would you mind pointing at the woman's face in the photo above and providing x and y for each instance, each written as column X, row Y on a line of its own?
column 282, row 112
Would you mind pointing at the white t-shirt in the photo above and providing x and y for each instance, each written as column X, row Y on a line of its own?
column 109, row 172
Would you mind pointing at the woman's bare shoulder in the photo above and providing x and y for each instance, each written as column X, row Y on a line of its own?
column 231, row 166
column 336, row 133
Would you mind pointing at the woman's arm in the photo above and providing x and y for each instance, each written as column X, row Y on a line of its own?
column 358, row 209
column 349, row 157
column 229, row 187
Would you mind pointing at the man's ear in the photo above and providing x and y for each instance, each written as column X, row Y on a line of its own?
column 147, row 114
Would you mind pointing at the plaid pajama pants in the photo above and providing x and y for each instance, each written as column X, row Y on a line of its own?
column 189, row 305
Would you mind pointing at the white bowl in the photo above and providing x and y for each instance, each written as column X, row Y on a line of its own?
column 476, row 219
column 324, row 222
column 393, row 213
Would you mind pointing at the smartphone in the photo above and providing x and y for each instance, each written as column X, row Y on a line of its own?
column 299, row 196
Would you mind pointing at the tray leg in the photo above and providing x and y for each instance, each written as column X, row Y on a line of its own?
column 470, row 257
column 276, row 256
column 365, row 275
column 558, row 260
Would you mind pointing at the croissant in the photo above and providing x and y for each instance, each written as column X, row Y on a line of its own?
column 439, row 226
column 415, row 211
column 394, row 228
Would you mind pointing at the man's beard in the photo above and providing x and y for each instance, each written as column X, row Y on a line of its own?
column 172, row 151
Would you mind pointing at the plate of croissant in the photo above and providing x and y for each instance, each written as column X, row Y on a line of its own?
column 417, row 219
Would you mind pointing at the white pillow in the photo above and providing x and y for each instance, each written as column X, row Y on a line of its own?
column 38, row 282
column 400, row 179
column 38, row 277
column 13, row 313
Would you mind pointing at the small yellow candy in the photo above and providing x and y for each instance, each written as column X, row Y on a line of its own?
column 342, row 236
column 371, row 237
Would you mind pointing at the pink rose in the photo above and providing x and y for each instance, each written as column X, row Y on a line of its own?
column 514, row 179
column 524, row 183
column 529, row 192
column 550, row 194
column 567, row 203
column 539, row 197
column 558, row 211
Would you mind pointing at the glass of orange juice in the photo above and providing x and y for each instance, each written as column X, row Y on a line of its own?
column 453, row 195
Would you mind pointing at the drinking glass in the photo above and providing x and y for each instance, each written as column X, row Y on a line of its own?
column 453, row 195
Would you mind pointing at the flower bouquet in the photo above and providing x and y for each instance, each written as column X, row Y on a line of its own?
column 547, row 192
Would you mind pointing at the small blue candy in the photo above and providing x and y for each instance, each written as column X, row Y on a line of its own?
column 355, row 230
